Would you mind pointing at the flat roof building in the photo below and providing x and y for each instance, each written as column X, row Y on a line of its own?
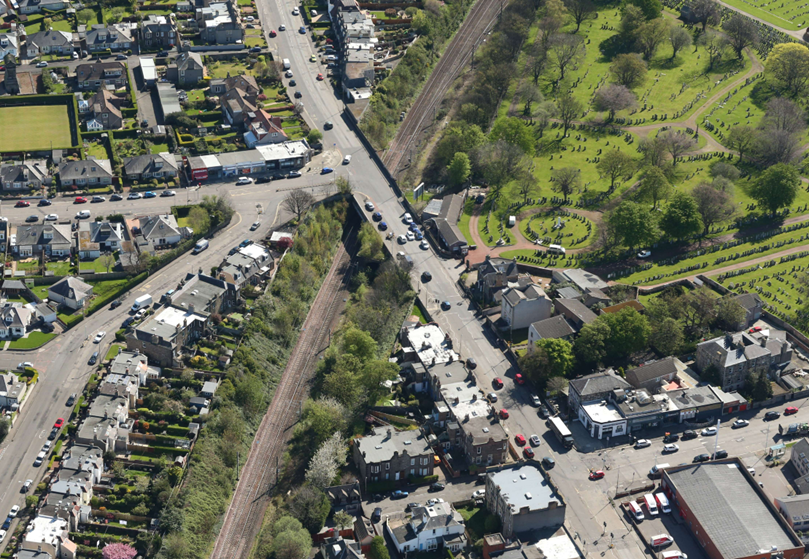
column 524, row 499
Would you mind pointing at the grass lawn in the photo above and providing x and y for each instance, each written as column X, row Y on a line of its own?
column 474, row 518
column 418, row 313
column 97, row 265
column 788, row 15
column 70, row 319
column 158, row 148
column 41, row 291
column 15, row 299
column 97, row 149
column 63, row 25
column 112, row 351
column 463, row 223
column 221, row 69
column 104, row 288
column 28, row 265
column 570, row 235
column 32, row 128
column 34, row 339
column 59, row 268
column 255, row 42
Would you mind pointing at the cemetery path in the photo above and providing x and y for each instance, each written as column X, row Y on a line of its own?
column 797, row 34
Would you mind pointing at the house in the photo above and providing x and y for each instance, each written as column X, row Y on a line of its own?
column 115, row 37
column 339, row 548
column 161, row 166
column 160, row 230
column 14, row 321
column 96, row 237
column 105, row 111
column 524, row 499
column 244, row 82
column 36, row 6
column 187, row 69
column 446, row 224
column 429, row 528
column 736, row 356
column 48, row 534
column 575, row 311
column 85, row 173
column 471, row 425
column 158, row 32
column 799, row 458
column 357, row 70
column 9, row 44
column 445, row 374
column 753, row 307
column 652, row 375
column 393, row 456
column 48, row 42
column 594, row 296
column 522, row 306
column 12, row 391
column 70, row 292
column 50, row 238
column 218, row 24
column 579, row 278
column 4, row 234
column 84, row 458
column 364, row 532
column 237, row 110
column 345, row 497
column 795, row 509
column 557, row 327
column 94, row 75
column 594, row 387
column 107, row 424
column 264, row 130
column 247, row 265
column 26, row 175
column 494, row 274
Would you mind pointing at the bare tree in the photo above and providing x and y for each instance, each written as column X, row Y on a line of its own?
column 677, row 143
column 613, row 98
column 741, row 138
column 651, row 35
column 705, row 12
column 741, row 32
column 529, row 94
column 568, row 108
column 538, row 61
column 776, row 146
column 544, row 113
column 783, row 114
column 566, row 180
column 581, row 10
column 298, row 202
column 714, row 206
column 500, row 162
column 714, row 45
column 107, row 260
column 679, row 38
column 548, row 27
column 654, row 153
column 565, row 50
column 527, row 185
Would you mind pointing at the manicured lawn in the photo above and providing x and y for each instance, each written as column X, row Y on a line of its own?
column 418, row 313
column 474, row 519
column 221, row 69
column 59, row 268
column 41, row 291
column 104, row 288
column 97, row 149
column 112, row 351
column 255, row 42
column 97, row 265
column 28, row 265
column 63, row 25
column 32, row 128
column 159, row 148
column 788, row 15
column 34, row 339
column 570, row 234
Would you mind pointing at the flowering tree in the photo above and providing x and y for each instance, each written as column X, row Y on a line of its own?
column 118, row 551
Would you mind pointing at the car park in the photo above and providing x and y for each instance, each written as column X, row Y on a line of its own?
column 528, row 452
column 598, row 474
column 708, row 432
column 22, row 204
column 44, row 202
column 642, row 443
column 668, row 448
column 740, row 423
column 535, row 441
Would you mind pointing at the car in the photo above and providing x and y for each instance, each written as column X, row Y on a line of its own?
column 22, row 204
column 671, row 438
column 167, row 193
column 42, row 64
column 598, row 474
column 93, row 359
column 295, row 11
column 116, row 197
column 755, row 329
column 382, row 226
column 319, row 77
column 719, row 454
column 51, row 217
column 54, row 433
column 399, row 494
column 115, row 304
column 262, row 180
column 410, row 236
column 255, row 49
column 701, row 458
column 162, row 54
column 708, row 432
column 249, row 18
column 119, row 57
column 413, row 227
column 44, row 202
column 129, row 320
column 97, row 199
column 740, row 423
column 412, row 506
column 528, row 452
column 492, row 397
column 326, row 170
column 84, row 214
column 519, row 439
column 418, row 235
column 346, row 159
column 689, row 434
column 644, row 254
column 408, row 219
column 377, row 216
column 7, row 522
column 445, row 305
column 661, row 540
column 256, row 225
column 471, row 364
column 72, row 399
column 27, row 485
column 424, row 245
column 519, row 379
column 13, row 512
column 59, row 423
column 313, row 58
column 479, row 494
column 288, row 73
column 437, row 486
column 79, row 200
column 548, row 462
column 99, row 337
column 25, row 365
column 498, row 383
column 369, row 206
column 791, row 410
column 503, row 413
column 294, row 175
column 302, row 30
column 535, row 440
column 426, row 276
column 244, row 180
column 32, row 218
column 401, row 239
column 134, row 196
column 770, row 415
column 433, row 502
column 643, row 443
column 535, row 401
column 282, row 27
column 74, row 55
column 47, row 446
column 298, row 94
column 377, row 515
column 245, row 242
column 670, row 448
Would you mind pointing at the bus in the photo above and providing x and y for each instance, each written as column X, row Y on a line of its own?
column 561, row 431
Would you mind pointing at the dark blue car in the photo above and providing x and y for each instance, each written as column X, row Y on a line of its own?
column 377, row 216
column 418, row 235
column 326, row 170
column 383, row 226
column 399, row 494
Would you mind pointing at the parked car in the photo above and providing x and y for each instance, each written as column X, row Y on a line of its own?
column 492, row 397
column 97, row 199
column 598, row 474
column 642, row 443
column 84, row 214
column 376, row 516
column 471, row 364
column 426, row 276
column 436, row 487
column 59, row 423
column 93, row 359
column 13, row 512
column 503, row 413
column 519, row 439
column 519, row 379
column 424, row 245
column 119, row 57
column 134, row 196
column 32, row 219
column 689, row 434
column 256, row 225
column 326, row 170
column 22, row 204
column 26, row 486
column 99, row 337
column 293, row 174
column 740, row 423
column 498, row 383
column 667, row 448
column 42, row 64
column 701, row 458
column 382, row 226
column 719, row 454
column 535, row 441
column 770, row 415
column 708, row 432
column 528, row 452
column 24, row 365
column 167, row 193
column 445, row 305
column 543, row 412
column 52, row 217
column 790, row 410
column 44, row 202
column 72, row 399
column 255, row 49
column 535, row 401
column 79, row 200
column 399, row 494
column 479, row 494
column 369, row 206
column 548, row 462
column 116, row 197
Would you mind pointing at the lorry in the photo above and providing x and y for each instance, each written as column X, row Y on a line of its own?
column 561, row 431
column 142, row 302
column 794, row 430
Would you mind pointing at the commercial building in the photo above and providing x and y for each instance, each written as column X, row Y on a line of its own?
column 728, row 514
column 524, row 499
column 264, row 158
column 795, row 509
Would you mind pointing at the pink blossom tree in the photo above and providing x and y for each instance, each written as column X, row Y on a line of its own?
column 118, row 551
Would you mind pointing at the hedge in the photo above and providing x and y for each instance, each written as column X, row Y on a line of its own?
column 185, row 139
column 422, row 480
column 125, row 134
column 129, row 113
column 120, row 335
column 99, row 302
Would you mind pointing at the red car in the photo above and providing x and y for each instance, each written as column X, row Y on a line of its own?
column 520, row 440
column 598, row 474
column 519, row 378
column 498, row 383
column 273, row 33
column 790, row 410
column 504, row 413
column 320, row 77
column 22, row 204
column 755, row 329
column 528, row 452
column 80, row 200
column 59, row 423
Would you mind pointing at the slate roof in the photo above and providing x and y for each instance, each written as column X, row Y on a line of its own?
column 96, row 71
column 553, row 327
column 503, row 266
column 33, row 169
column 749, row 301
column 104, row 36
column 30, row 235
column 380, row 447
column 71, row 287
column 578, row 309
column 650, row 371
column 598, row 383
column 158, row 226
column 50, row 39
column 69, row 171
column 149, row 163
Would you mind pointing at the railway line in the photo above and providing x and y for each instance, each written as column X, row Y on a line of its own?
column 478, row 22
column 245, row 513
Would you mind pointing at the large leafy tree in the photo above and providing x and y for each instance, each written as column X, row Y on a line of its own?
column 633, row 225
column 629, row 332
column 654, row 186
column 777, row 187
column 590, row 347
column 615, row 164
column 788, row 68
column 514, row 131
column 681, row 218
column 714, row 205
column 549, row 358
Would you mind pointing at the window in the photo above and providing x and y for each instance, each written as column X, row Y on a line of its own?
column 387, row 465
column 478, row 452
column 412, row 461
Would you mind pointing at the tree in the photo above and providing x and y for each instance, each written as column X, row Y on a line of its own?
column 514, row 131
column 740, row 138
column 374, row 376
column 538, row 57
column 557, row 385
column 653, row 150
column 324, row 417
column 568, row 108
column 47, row 23
column 292, row 542
column 615, row 164
column 783, row 115
column 629, row 332
column 741, row 32
column 219, row 208
column 590, row 347
column 459, row 169
column 342, row 520
column 629, row 69
column 666, row 336
column 310, row 506
column 632, row 224
column 788, row 68
column 530, row 94
column 695, row 310
column 714, row 45
column 679, row 39
column 325, row 464
column 458, row 137
column 677, row 143
column 714, row 206
column 565, row 50
column 371, row 245
column 344, row 185
column 118, row 551
column 545, row 111
column 681, row 218
column 298, row 202
column 199, row 220
column 651, row 8
column 758, row 387
column 777, row 187
column 775, row 146
column 613, row 98
column 654, row 186
column 84, row 16
column 358, row 343
column 580, row 11
column 559, row 356
column 632, row 19
column 378, row 549
column 705, row 12
column 729, row 314
column 650, row 36
column 565, row 181
column 31, row 502
column 107, row 260
column 720, row 169
column 527, row 185
column 314, row 136
column 500, row 162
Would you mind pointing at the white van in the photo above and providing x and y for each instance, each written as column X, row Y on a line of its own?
column 556, row 249
column 674, row 554
column 655, row 471
column 142, row 302
column 663, row 502
column 287, row 65
column 651, row 505
column 201, row 245
column 636, row 511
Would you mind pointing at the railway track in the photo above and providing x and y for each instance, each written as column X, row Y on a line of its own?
column 480, row 19
column 246, row 510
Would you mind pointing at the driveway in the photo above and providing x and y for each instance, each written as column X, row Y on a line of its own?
column 459, row 489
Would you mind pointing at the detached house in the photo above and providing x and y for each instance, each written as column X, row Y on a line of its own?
column 48, row 42
column 50, row 238
column 115, row 37
column 158, row 32
column 393, row 456
column 429, row 528
column 96, row 237
column 160, row 230
column 9, row 44
column 753, row 307
column 12, row 390
column 247, row 84
column 14, row 322
column 100, row 74
column 187, row 69
column 36, row 6
column 524, row 304
column 736, row 356
column 237, row 108
column 218, row 24
column 264, row 130
column 153, row 166
column 84, row 173
column 106, row 115
column 29, row 174
column 71, row 292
